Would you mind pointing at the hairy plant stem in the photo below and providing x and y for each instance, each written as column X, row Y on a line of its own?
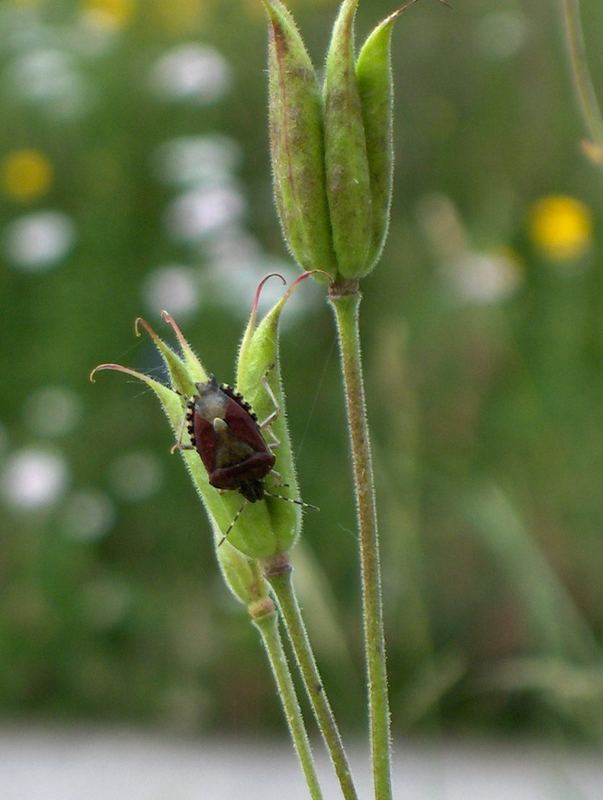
column 266, row 621
column 344, row 298
column 587, row 97
column 278, row 574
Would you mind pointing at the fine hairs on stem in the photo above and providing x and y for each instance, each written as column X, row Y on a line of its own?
column 278, row 573
column 345, row 301
column 267, row 625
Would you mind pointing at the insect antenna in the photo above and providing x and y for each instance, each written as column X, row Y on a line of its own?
column 233, row 523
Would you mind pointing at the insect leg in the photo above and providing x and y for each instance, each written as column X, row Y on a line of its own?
column 233, row 523
column 275, row 442
column 277, row 409
column 185, row 419
column 178, row 447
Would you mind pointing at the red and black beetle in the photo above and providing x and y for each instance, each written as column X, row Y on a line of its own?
column 225, row 432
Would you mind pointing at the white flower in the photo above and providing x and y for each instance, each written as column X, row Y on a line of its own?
column 136, row 476
column 33, row 479
column 483, row 277
column 191, row 72
column 88, row 515
column 175, row 288
column 48, row 76
column 52, row 410
column 191, row 160
column 203, row 211
column 37, row 241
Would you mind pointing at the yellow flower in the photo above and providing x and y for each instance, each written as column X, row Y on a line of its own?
column 109, row 13
column 561, row 227
column 180, row 16
column 25, row 175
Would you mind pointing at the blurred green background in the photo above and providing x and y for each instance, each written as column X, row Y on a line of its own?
column 134, row 176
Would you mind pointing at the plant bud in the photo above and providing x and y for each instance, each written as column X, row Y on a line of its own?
column 297, row 144
column 347, row 166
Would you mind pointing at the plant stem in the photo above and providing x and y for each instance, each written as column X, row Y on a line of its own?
column 267, row 625
column 345, row 299
column 587, row 97
column 278, row 574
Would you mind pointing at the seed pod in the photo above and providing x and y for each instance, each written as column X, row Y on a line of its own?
column 348, row 180
column 375, row 86
column 258, row 360
column 297, row 144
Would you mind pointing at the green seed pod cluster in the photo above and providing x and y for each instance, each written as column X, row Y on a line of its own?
column 332, row 152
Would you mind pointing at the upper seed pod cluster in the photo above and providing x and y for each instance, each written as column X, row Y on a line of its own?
column 332, row 152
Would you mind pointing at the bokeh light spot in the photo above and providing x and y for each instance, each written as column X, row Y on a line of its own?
column 180, row 16
column 203, row 211
column 190, row 160
column 484, row 277
column 47, row 77
column 136, row 476
column 561, row 227
column 174, row 288
column 88, row 515
column 111, row 14
column 26, row 175
column 52, row 411
column 38, row 241
column 501, row 34
column 191, row 72
column 33, row 478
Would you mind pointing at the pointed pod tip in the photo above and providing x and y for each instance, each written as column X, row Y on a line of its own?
column 258, row 291
column 139, row 323
column 101, row 368
column 275, row 16
column 169, row 320
column 399, row 11
column 117, row 368
column 269, row 9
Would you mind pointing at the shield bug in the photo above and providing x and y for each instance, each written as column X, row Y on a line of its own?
column 226, row 434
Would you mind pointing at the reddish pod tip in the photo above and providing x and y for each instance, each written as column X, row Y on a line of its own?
column 116, row 368
column 258, row 291
column 138, row 322
column 169, row 320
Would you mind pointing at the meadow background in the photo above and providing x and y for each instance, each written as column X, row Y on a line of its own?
column 134, row 176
